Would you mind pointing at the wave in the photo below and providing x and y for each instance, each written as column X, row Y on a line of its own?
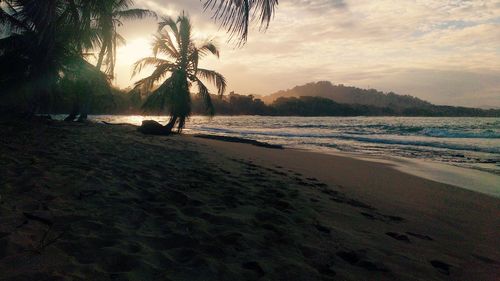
column 434, row 144
column 447, row 131
column 381, row 139
column 408, row 130
column 443, row 133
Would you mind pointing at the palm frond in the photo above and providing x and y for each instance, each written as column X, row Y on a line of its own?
column 133, row 14
column 209, row 47
column 158, row 74
column 172, row 95
column 119, row 40
column 163, row 42
column 9, row 22
column 158, row 99
column 215, row 78
column 168, row 21
column 235, row 15
column 78, row 70
column 194, row 58
column 121, row 4
column 204, row 94
column 150, row 61
column 184, row 33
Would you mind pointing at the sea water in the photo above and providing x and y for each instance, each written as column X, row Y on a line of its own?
column 462, row 141
column 472, row 144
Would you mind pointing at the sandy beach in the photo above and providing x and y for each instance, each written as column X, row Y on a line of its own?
column 104, row 202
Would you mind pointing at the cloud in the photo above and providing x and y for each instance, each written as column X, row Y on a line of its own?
column 428, row 48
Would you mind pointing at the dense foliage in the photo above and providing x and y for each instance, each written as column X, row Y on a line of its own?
column 46, row 50
column 45, row 47
column 125, row 102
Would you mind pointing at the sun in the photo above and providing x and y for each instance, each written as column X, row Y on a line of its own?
column 127, row 55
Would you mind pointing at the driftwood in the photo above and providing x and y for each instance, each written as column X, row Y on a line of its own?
column 239, row 140
column 119, row 124
column 151, row 127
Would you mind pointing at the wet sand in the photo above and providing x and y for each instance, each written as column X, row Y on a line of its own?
column 100, row 202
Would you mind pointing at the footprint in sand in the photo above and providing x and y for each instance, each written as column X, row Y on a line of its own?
column 441, row 266
column 254, row 266
column 356, row 258
column 381, row 217
column 420, row 236
column 399, row 237
column 322, row 228
column 485, row 259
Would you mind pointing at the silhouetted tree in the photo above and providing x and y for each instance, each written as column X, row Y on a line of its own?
column 105, row 17
column 180, row 66
column 236, row 15
column 41, row 48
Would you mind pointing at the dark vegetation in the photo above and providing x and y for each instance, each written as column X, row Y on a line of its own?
column 347, row 100
column 45, row 52
column 124, row 102
column 179, row 63
column 350, row 95
column 60, row 56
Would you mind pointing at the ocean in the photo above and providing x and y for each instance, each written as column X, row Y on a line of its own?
column 461, row 141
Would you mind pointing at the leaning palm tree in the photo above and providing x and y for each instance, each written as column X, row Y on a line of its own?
column 178, row 69
column 235, row 15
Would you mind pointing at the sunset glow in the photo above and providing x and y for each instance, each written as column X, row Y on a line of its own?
column 445, row 52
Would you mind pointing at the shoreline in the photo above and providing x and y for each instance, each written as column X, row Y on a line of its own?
column 464, row 178
column 445, row 173
column 135, row 207
column 432, row 146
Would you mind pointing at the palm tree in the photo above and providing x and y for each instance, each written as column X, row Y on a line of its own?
column 105, row 17
column 108, row 16
column 236, row 15
column 39, row 49
column 179, row 70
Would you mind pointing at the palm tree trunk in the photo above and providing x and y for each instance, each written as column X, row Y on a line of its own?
column 84, row 113
column 180, row 126
column 74, row 112
column 86, row 98
column 101, row 56
column 171, row 123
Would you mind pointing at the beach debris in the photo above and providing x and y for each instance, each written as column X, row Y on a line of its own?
column 151, row 127
column 119, row 124
column 239, row 140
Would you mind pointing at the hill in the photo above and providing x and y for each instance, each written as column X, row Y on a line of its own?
column 350, row 95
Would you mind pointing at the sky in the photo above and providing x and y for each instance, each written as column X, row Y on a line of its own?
column 443, row 51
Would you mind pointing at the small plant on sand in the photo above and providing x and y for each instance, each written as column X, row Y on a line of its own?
column 179, row 71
